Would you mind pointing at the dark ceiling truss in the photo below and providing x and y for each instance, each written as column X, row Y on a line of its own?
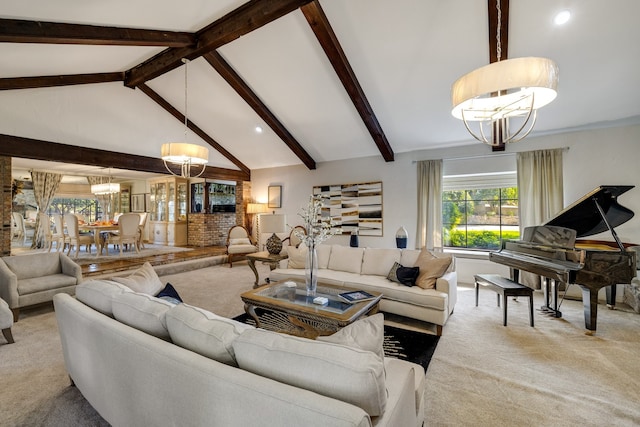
column 324, row 33
column 235, row 81
column 248, row 17
column 493, row 40
column 202, row 134
column 65, row 80
column 21, row 31
column 15, row 146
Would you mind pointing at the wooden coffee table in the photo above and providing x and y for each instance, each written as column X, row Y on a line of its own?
column 305, row 318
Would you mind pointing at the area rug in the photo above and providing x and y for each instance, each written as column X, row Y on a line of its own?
column 416, row 347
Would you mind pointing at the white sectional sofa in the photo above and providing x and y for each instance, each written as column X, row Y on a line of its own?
column 368, row 268
column 142, row 361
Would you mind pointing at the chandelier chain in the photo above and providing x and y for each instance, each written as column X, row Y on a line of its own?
column 498, row 39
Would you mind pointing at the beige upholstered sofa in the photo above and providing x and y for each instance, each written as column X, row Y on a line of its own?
column 35, row 278
column 140, row 360
column 368, row 269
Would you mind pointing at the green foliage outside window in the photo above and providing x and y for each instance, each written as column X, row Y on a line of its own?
column 479, row 218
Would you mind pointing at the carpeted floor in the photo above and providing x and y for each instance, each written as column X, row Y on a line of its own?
column 481, row 373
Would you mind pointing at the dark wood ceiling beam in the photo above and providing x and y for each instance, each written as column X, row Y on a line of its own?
column 27, row 148
column 62, row 80
column 22, row 31
column 248, row 17
column 202, row 134
column 235, row 81
column 493, row 39
column 329, row 42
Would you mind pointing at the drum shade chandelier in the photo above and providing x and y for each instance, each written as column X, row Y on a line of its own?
column 494, row 94
column 105, row 187
column 183, row 153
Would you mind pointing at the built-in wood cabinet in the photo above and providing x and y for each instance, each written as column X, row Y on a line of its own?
column 168, row 211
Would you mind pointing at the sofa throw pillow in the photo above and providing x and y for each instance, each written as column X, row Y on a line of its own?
column 143, row 280
column 240, row 241
column 365, row 334
column 431, row 268
column 169, row 294
column 141, row 311
column 342, row 372
column 403, row 275
column 98, row 294
column 297, row 256
column 204, row 332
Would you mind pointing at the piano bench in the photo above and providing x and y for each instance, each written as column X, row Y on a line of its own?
column 506, row 288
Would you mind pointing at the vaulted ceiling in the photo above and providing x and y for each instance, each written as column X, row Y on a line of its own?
column 327, row 80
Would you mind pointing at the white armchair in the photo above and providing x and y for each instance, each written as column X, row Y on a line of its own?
column 239, row 243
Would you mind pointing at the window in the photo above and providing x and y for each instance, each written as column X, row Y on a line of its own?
column 479, row 211
column 88, row 208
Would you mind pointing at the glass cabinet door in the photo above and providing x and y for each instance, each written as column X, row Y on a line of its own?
column 152, row 202
column 171, row 200
column 161, row 201
column 182, row 201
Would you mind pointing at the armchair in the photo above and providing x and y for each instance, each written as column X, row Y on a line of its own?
column 75, row 238
column 128, row 229
column 239, row 243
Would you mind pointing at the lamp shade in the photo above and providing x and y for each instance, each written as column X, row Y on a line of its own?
column 256, row 208
column 105, row 188
column 515, row 80
column 180, row 152
column 275, row 223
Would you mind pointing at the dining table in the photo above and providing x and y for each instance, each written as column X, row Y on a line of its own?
column 98, row 228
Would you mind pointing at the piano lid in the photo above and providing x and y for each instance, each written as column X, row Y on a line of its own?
column 584, row 216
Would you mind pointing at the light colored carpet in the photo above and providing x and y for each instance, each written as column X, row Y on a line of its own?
column 482, row 373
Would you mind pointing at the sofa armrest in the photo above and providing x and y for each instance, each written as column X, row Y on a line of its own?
column 8, row 285
column 448, row 284
column 70, row 268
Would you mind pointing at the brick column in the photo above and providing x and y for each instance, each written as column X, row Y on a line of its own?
column 5, row 209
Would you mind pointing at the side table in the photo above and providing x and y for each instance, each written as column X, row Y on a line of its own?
column 266, row 258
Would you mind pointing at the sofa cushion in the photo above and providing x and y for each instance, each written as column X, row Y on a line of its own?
column 365, row 334
column 144, row 280
column 404, row 275
column 98, row 294
column 409, row 257
column 379, row 261
column 297, row 256
column 345, row 373
column 345, row 258
column 45, row 283
column 141, row 311
column 431, row 268
column 240, row 241
column 324, row 254
column 204, row 332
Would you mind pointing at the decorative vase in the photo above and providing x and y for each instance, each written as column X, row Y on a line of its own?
column 274, row 244
column 311, row 271
column 353, row 242
column 401, row 237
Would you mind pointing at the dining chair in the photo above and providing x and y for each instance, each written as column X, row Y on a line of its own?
column 17, row 227
column 59, row 235
column 47, row 234
column 75, row 238
column 128, row 228
column 143, row 224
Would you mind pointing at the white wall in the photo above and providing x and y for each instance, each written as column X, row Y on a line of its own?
column 595, row 157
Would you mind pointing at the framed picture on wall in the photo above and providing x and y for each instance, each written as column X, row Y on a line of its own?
column 275, row 196
column 137, row 203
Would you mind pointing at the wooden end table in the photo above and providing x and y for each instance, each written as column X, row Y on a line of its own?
column 308, row 319
column 266, row 258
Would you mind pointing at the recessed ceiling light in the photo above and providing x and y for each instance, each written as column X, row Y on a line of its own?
column 562, row 17
column 258, row 129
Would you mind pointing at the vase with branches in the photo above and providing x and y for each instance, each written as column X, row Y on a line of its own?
column 319, row 226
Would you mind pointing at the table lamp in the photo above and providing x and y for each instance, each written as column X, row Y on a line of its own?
column 275, row 223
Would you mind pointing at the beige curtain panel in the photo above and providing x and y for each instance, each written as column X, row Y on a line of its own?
column 45, row 185
column 429, row 231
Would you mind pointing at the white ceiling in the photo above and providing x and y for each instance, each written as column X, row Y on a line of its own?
column 405, row 54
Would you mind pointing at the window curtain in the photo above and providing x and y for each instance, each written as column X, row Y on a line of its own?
column 45, row 185
column 104, row 200
column 429, row 204
column 540, row 192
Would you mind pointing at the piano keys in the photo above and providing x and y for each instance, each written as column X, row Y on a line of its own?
column 552, row 251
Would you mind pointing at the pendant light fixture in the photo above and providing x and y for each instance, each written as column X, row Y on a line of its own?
column 182, row 153
column 503, row 90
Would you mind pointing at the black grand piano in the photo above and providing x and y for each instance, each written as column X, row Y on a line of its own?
column 552, row 251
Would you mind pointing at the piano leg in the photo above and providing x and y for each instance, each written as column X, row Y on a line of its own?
column 590, row 303
column 611, row 296
column 550, row 288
